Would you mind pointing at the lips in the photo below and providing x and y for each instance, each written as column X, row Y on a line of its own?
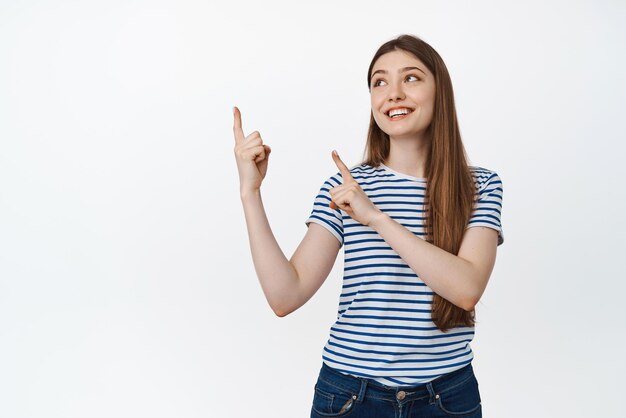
column 398, row 117
column 410, row 109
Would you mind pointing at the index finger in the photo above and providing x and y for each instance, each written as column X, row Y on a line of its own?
column 345, row 172
column 239, row 136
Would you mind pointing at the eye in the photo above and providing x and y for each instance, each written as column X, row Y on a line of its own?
column 376, row 82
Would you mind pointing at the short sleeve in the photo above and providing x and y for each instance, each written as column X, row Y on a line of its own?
column 488, row 209
column 322, row 214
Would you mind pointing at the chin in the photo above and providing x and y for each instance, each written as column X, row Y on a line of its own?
column 400, row 130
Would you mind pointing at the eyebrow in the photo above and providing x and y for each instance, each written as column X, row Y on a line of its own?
column 399, row 71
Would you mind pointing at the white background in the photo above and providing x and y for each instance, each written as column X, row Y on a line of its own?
column 127, row 287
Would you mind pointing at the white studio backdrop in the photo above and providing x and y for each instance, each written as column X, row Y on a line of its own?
column 127, row 287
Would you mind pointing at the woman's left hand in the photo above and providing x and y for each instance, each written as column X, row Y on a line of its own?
column 350, row 197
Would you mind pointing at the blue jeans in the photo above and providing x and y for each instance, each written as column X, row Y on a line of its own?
column 452, row 395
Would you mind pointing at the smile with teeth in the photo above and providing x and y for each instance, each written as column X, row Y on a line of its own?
column 399, row 113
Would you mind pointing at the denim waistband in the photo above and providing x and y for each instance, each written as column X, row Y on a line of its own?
column 404, row 394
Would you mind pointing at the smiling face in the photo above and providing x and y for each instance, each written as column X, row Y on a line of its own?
column 406, row 84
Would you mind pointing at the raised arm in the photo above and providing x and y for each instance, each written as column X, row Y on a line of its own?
column 287, row 284
column 461, row 278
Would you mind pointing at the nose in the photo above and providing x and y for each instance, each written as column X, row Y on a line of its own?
column 396, row 92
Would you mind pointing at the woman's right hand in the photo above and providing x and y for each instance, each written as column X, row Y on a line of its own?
column 251, row 155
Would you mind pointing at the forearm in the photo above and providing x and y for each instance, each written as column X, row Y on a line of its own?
column 277, row 276
column 446, row 274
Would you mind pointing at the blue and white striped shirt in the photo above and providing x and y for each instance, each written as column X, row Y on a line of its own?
column 384, row 330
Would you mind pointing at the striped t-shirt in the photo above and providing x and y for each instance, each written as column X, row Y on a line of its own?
column 384, row 330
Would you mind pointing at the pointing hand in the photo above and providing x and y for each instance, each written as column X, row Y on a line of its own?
column 350, row 197
column 251, row 156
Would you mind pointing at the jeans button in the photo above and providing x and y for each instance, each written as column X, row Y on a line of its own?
column 400, row 395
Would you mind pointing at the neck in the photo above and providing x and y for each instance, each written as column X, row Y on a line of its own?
column 408, row 157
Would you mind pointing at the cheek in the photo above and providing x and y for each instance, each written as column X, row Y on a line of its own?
column 428, row 98
column 374, row 109
column 376, row 104
column 420, row 96
column 378, row 118
column 376, row 113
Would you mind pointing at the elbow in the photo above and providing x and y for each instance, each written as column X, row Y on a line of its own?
column 281, row 313
column 469, row 304
column 472, row 298
column 469, row 307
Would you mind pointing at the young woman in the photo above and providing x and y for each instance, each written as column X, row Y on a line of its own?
column 419, row 227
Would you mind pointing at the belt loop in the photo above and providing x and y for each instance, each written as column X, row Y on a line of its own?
column 431, row 391
column 363, row 389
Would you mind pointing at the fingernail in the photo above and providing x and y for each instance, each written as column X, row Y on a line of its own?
column 335, row 152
